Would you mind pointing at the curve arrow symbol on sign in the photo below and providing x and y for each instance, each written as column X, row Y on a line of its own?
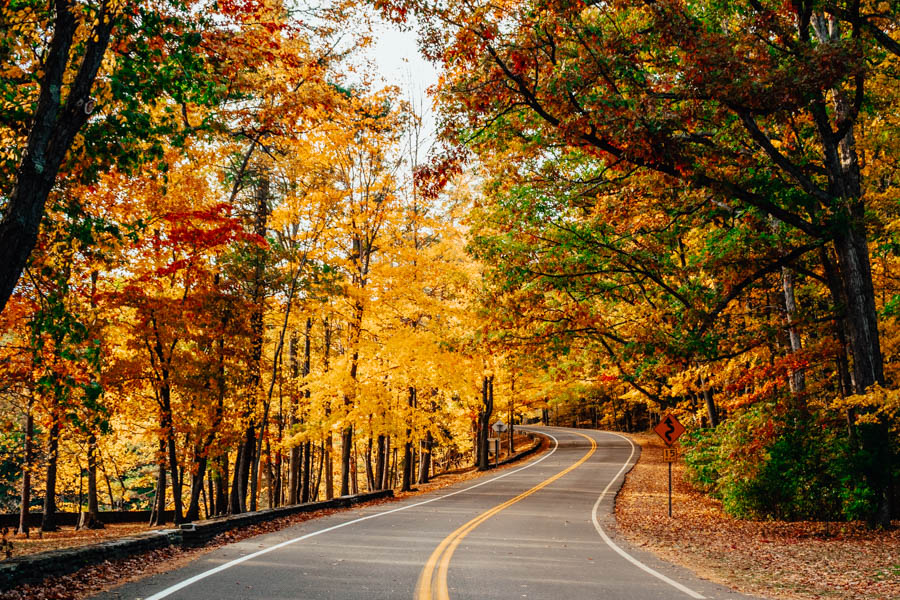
column 669, row 429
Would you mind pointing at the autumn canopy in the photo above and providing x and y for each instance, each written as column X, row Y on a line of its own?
column 236, row 271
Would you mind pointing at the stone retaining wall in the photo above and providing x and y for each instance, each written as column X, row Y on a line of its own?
column 70, row 519
column 32, row 568
column 538, row 440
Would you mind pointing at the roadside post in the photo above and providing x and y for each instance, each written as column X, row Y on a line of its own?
column 498, row 427
column 669, row 429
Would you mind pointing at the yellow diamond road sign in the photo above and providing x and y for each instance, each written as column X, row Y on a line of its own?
column 669, row 429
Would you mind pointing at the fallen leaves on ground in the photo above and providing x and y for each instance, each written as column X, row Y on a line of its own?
column 783, row 560
column 69, row 537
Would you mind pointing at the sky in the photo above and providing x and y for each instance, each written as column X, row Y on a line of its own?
column 399, row 63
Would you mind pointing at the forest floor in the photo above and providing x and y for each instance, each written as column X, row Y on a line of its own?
column 779, row 560
column 69, row 537
column 92, row 580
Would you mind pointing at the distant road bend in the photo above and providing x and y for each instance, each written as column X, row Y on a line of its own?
column 539, row 531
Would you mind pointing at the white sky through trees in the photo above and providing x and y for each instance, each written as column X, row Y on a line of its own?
column 399, row 63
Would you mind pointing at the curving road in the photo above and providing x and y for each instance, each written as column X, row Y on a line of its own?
column 539, row 531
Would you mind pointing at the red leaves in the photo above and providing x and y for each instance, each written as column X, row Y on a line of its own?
column 199, row 231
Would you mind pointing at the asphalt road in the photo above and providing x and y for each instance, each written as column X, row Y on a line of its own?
column 540, row 531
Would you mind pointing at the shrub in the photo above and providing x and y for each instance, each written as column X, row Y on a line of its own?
column 771, row 462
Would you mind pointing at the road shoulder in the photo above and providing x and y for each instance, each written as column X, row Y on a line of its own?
column 790, row 561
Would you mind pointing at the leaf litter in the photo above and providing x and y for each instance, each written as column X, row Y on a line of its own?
column 774, row 559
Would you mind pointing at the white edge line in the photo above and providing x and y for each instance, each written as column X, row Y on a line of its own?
column 621, row 552
column 181, row 585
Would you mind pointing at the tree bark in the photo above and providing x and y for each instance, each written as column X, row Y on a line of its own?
column 197, row 479
column 425, row 458
column 387, row 481
column 307, row 447
column 91, row 519
column 54, row 127
column 379, row 463
column 220, row 481
column 48, row 522
column 370, row 467
column 407, row 449
column 157, row 516
column 346, row 447
column 712, row 411
column 328, row 458
column 512, row 415
column 252, row 453
column 294, row 460
column 484, row 421
column 26, row 469
column 168, row 432
column 236, row 498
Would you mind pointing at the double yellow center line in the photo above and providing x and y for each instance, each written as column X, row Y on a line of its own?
column 432, row 584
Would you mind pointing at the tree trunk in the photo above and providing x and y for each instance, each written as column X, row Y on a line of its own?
column 26, row 470
column 212, row 506
column 314, row 494
column 236, row 498
column 307, row 447
column 328, row 458
column 425, row 458
column 176, row 480
column 854, row 267
column 252, row 452
column 379, row 463
column 307, row 469
column 387, row 482
column 797, row 379
column 91, row 519
column 197, row 479
column 54, row 127
column 168, row 432
column 270, row 488
column 512, row 416
column 220, row 481
column 247, row 460
column 329, row 466
column 407, row 448
column 861, row 315
column 346, row 447
column 48, row 522
column 206, row 499
column 354, row 462
column 157, row 516
column 867, row 368
column 294, row 460
column 484, row 421
column 711, row 411
column 845, row 379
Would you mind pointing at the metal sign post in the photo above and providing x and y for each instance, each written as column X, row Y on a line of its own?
column 669, row 429
column 496, row 443
column 670, row 455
